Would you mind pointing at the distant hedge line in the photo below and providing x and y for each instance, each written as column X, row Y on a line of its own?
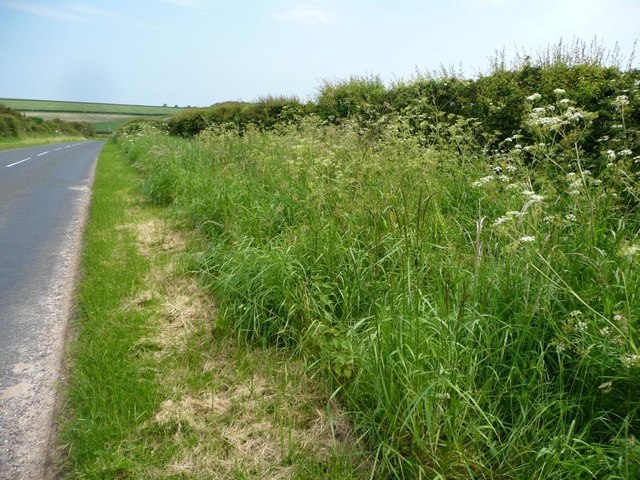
column 14, row 125
column 494, row 106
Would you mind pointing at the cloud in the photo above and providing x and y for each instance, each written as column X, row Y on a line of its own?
column 75, row 12
column 88, row 10
column 192, row 4
column 43, row 11
column 305, row 16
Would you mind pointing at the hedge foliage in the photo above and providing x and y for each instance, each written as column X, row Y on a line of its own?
column 14, row 125
column 495, row 107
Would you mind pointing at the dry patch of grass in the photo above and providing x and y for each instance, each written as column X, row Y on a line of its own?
column 229, row 411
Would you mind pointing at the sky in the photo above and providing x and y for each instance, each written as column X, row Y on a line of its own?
column 200, row 52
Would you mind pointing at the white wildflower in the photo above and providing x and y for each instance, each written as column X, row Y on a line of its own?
column 581, row 326
column 559, row 91
column 630, row 251
column 625, row 152
column 604, row 331
column 606, row 387
column 483, row 181
column 527, row 239
column 500, row 221
column 611, row 155
column 534, row 97
column 621, row 101
column 575, row 313
column 511, row 168
column 570, row 217
column 630, row 360
column 512, row 213
column 564, row 101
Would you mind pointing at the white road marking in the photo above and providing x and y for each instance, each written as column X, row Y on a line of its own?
column 43, row 153
column 16, row 163
column 58, row 149
column 76, row 144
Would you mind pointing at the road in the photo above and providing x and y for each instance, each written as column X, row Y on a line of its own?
column 44, row 197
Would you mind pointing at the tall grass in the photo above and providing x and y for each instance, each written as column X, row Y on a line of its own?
column 476, row 312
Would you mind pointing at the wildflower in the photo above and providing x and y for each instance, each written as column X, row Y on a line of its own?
column 511, row 168
column 604, row 331
column 483, row 181
column 630, row 251
column 625, row 152
column 606, row 387
column 611, row 155
column 534, row 97
column 512, row 213
column 500, row 221
column 621, row 101
column 561, row 347
column 559, row 91
column 527, row 239
column 576, row 184
column 630, row 360
column 564, row 101
column 570, row 217
column 573, row 115
column 533, row 197
column 581, row 326
column 575, row 313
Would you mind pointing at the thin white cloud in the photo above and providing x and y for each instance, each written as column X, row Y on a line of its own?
column 305, row 16
column 43, row 11
column 88, row 10
column 490, row 3
column 192, row 4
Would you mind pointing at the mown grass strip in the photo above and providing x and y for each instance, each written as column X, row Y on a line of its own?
column 111, row 390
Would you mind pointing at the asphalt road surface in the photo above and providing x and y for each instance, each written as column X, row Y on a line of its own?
column 44, row 197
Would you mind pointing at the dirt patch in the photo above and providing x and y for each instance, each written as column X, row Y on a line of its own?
column 229, row 410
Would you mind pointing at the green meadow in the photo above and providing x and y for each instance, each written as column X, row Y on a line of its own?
column 104, row 117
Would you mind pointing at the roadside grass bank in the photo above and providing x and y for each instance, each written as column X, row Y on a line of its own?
column 9, row 143
column 475, row 311
column 155, row 390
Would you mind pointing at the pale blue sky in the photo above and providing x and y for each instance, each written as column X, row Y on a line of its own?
column 198, row 52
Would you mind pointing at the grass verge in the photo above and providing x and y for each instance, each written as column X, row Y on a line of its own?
column 154, row 391
column 11, row 143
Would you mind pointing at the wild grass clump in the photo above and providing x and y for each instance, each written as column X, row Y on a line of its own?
column 475, row 310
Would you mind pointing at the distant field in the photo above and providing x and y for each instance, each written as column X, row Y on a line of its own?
column 58, row 106
column 104, row 116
